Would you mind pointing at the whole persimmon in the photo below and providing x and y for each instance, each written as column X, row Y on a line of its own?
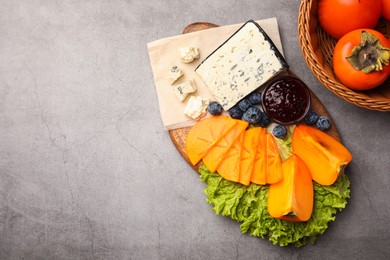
column 338, row 17
column 361, row 59
column 386, row 9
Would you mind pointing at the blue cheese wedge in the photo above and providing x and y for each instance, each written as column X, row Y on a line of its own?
column 241, row 64
column 174, row 74
column 188, row 54
column 196, row 107
column 183, row 89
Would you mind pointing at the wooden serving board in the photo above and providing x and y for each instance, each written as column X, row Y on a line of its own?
column 178, row 136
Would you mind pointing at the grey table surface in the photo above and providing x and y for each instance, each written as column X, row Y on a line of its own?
column 86, row 169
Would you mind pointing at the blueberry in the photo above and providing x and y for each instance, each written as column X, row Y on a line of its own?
column 253, row 115
column 311, row 117
column 214, row 108
column 244, row 104
column 255, row 98
column 235, row 112
column 323, row 123
column 264, row 122
column 279, row 131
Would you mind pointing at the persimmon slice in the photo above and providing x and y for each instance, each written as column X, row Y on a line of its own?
column 217, row 153
column 324, row 156
column 260, row 164
column 292, row 198
column 274, row 162
column 229, row 168
column 248, row 154
column 205, row 134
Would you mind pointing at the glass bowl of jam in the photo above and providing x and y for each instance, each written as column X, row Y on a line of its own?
column 286, row 100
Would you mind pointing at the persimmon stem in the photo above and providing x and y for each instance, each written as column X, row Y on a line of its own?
column 369, row 55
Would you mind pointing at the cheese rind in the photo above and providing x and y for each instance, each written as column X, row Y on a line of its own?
column 242, row 64
column 183, row 89
column 189, row 54
column 196, row 107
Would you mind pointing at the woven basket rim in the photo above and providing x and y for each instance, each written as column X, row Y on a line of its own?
column 357, row 98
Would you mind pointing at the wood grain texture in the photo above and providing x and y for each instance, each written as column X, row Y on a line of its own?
column 178, row 136
column 199, row 26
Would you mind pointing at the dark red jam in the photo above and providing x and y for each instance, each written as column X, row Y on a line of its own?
column 286, row 100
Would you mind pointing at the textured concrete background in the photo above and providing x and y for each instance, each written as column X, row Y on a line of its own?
column 86, row 170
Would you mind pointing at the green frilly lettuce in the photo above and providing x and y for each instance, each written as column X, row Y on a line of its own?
column 248, row 205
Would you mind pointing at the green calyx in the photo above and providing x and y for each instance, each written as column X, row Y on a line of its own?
column 370, row 55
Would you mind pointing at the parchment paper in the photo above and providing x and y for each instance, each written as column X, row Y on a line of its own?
column 164, row 53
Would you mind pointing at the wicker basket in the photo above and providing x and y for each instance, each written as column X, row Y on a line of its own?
column 317, row 48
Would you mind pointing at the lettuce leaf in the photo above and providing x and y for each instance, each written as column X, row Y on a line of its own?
column 248, row 205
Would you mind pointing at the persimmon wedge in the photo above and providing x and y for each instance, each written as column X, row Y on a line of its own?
column 260, row 164
column 229, row 168
column 205, row 134
column 248, row 154
column 324, row 156
column 274, row 162
column 268, row 164
column 217, row 153
column 292, row 198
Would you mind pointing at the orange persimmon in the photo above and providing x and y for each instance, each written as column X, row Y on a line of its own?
column 260, row 164
column 268, row 164
column 217, row 153
column 248, row 154
column 361, row 59
column 324, row 156
column 205, row 134
column 229, row 168
column 292, row 198
column 274, row 162
column 338, row 17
